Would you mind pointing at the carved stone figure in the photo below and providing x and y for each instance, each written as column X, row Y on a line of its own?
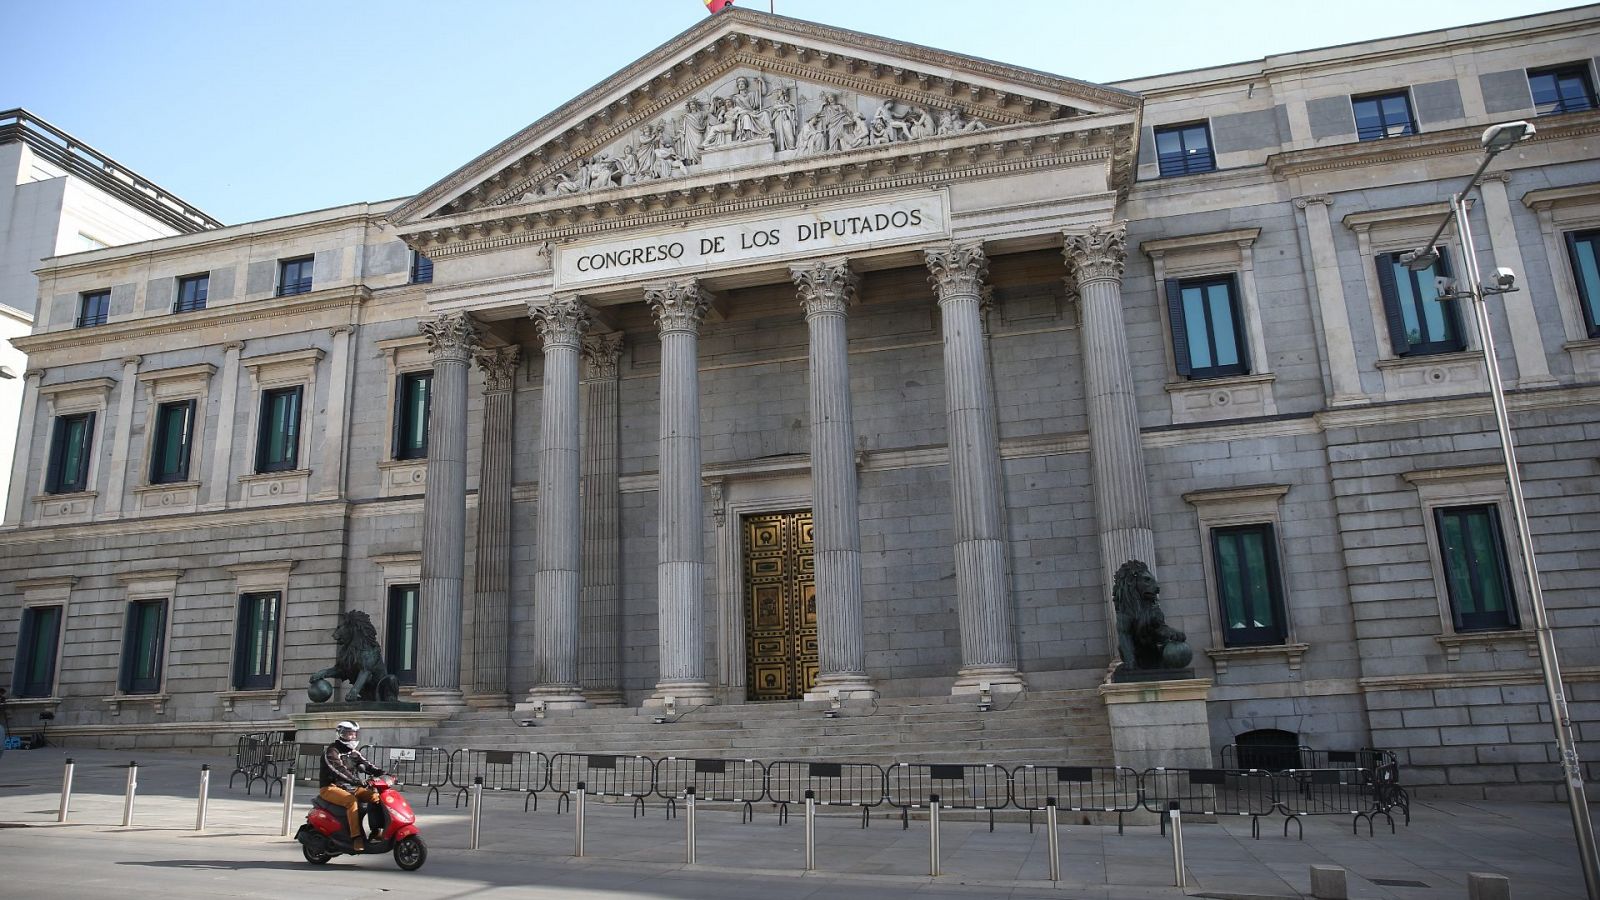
column 691, row 131
column 921, row 125
column 1144, row 639
column 628, row 166
column 891, row 126
column 720, row 124
column 358, row 660
column 784, row 115
column 952, row 122
column 832, row 120
column 855, row 134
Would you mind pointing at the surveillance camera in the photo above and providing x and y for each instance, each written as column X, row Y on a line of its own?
column 1505, row 279
column 1444, row 285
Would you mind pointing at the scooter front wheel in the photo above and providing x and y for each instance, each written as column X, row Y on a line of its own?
column 410, row 853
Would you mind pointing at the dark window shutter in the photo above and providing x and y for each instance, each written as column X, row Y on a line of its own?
column 1241, row 334
column 52, row 478
column 241, row 642
column 1391, row 305
column 128, row 644
column 1180, row 332
column 396, row 437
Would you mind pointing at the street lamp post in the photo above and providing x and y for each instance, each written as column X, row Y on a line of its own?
column 1495, row 140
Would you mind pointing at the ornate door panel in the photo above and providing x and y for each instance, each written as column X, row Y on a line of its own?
column 780, row 606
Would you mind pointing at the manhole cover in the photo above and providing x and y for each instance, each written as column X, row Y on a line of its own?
column 1398, row 882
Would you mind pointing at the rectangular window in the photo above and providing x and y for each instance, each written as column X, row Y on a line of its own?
column 412, row 391
column 1419, row 322
column 69, row 454
column 1248, row 587
column 1207, row 331
column 36, row 652
column 142, row 646
column 192, row 292
column 93, row 308
column 421, row 268
column 294, row 276
column 174, row 434
column 1583, row 248
column 255, row 643
column 1184, row 149
column 401, row 635
column 1381, row 116
column 1475, row 570
column 1561, row 89
column 278, row 444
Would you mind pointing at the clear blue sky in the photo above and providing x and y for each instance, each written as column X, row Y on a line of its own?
column 256, row 109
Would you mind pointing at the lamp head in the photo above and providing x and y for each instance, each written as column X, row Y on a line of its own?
column 1501, row 137
column 1420, row 260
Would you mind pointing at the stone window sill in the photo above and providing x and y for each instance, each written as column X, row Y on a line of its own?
column 275, row 695
column 1452, row 643
column 1220, row 658
column 1430, row 359
column 158, row 701
column 32, row 703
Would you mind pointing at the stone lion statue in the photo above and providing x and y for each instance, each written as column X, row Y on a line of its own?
column 359, row 661
column 1144, row 638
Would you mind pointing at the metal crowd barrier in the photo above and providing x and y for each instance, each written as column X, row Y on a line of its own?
column 427, row 767
column 1329, row 792
column 1080, row 789
column 723, row 780
column 851, row 784
column 977, row 787
column 603, row 775
column 1211, row 792
column 513, row 771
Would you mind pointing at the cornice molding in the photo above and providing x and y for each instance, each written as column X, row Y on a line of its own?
column 1361, row 154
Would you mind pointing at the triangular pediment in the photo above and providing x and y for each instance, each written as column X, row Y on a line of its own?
column 747, row 91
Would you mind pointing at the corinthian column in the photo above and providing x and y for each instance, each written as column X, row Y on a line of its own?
column 600, row 662
column 983, row 601
column 451, row 340
column 678, row 308
column 491, row 581
column 561, row 323
column 1121, row 494
column 826, row 290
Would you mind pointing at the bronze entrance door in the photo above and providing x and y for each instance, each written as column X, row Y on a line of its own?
column 780, row 611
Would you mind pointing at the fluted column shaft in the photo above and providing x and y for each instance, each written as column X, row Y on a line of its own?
column 561, row 324
column 983, row 602
column 1121, row 492
column 826, row 291
column 491, row 582
column 600, row 656
column 451, row 339
column 679, row 308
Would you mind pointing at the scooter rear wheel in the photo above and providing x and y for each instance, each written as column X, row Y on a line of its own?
column 410, row 853
column 315, row 855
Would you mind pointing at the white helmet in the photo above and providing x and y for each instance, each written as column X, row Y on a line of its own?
column 348, row 732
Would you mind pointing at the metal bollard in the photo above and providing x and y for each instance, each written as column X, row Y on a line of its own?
column 933, row 834
column 127, row 798
column 577, row 807
column 811, row 831
column 1053, row 838
column 688, row 854
column 1175, row 813
column 477, row 809
column 205, row 795
column 288, row 803
column 66, row 790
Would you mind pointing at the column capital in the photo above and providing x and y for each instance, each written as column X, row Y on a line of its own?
column 499, row 367
column 958, row 269
column 1098, row 255
column 133, row 361
column 1312, row 200
column 560, row 321
column 451, row 336
column 678, row 306
column 602, row 355
column 826, row 287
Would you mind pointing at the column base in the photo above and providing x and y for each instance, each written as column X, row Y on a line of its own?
column 552, row 697
column 599, row 698
column 682, row 694
column 999, row 679
column 845, row 686
column 440, row 698
column 496, row 700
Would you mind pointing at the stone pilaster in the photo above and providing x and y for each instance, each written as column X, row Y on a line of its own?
column 117, row 476
column 679, row 308
column 22, row 462
column 561, row 323
column 983, row 597
column 221, row 474
column 1121, row 493
column 826, row 290
column 452, row 338
column 600, row 656
column 331, row 471
column 1337, row 338
column 491, row 579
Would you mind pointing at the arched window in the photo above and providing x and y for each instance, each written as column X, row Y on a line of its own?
column 1269, row 749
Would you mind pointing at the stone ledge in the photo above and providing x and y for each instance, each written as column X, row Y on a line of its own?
column 1146, row 691
column 1452, row 643
column 229, row 698
column 1220, row 658
column 159, row 701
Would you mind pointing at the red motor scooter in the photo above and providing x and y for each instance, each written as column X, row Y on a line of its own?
column 390, row 824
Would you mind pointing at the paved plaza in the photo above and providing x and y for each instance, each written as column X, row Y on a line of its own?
column 242, row 852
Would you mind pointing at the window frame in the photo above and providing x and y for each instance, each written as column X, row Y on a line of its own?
column 1178, row 319
column 22, row 688
column 160, row 434
column 1588, row 293
column 263, row 429
column 393, row 632
column 401, row 446
column 1184, row 163
column 1252, row 505
column 305, row 280
column 1404, row 95
column 421, row 269
column 101, row 312
column 129, row 682
column 1458, row 487
column 202, row 289
column 54, row 483
column 1578, row 69
column 1257, row 636
column 247, row 633
column 1388, row 265
column 1508, row 618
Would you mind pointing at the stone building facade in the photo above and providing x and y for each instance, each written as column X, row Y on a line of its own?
column 797, row 362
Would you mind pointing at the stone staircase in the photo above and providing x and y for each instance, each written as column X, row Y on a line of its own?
column 1040, row 727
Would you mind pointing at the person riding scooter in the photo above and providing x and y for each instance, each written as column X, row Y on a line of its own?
column 342, row 768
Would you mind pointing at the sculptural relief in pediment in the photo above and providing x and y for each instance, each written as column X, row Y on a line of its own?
column 749, row 118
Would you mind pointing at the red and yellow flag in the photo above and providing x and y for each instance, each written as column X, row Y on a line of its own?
column 716, row 6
